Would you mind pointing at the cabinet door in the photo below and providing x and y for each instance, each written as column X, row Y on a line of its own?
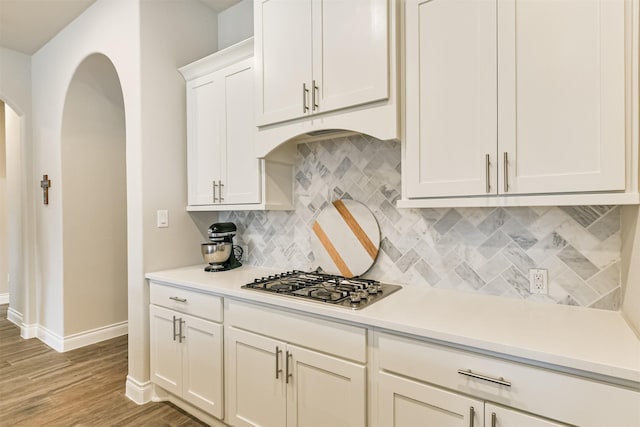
column 451, row 98
column 324, row 390
column 499, row 416
column 350, row 53
column 166, row 350
column 283, row 59
column 256, row 383
column 561, row 67
column 241, row 168
column 406, row 403
column 205, row 134
column 202, row 365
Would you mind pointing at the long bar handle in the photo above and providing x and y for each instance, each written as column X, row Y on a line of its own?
column 287, row 373
column 472, row 374
column 487, row 167
column 220, row 185
column 278, row 370
column 472, row 413
column 314, row 98
column 178, row 299
column 181, row 337
column 305, row 96
column 174, row 328
column 505, row 160
column 493, row 419
column 214, row 191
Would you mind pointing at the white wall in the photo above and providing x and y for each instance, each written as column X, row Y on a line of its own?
column 235, row 24
column 146, row 41
column 15, row 91
column 94, row 199
column 173, row 33
column 4, row 238
column 110, row 27
column 631, row 266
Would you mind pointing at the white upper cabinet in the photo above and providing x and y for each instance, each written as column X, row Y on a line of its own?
column 524, row 99
column 451, row 97
column 315, row 56
column 223, row 171
column 350, row 53
column 284, row 59
column 561, row 95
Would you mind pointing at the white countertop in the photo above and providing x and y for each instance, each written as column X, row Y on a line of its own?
column 595, row 341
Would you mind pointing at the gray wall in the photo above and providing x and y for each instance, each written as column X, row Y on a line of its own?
column 235, row 24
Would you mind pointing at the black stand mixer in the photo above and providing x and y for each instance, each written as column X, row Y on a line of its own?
column 221, row 253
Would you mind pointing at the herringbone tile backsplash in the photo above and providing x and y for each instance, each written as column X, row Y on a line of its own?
column 485, row 250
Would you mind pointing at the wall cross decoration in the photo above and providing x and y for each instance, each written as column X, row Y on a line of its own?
column 45, row 184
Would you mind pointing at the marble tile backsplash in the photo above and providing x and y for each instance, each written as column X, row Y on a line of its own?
column 484, row 250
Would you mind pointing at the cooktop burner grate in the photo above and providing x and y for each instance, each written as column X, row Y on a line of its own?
column 354, row 293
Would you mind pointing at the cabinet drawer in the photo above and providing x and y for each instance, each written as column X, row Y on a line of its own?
column 339, row 339
column 186, row 301
column 559, row 396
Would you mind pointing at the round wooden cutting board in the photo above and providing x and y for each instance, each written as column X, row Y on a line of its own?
column 345, row 238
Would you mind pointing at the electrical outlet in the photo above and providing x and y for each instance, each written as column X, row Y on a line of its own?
column 538, row 281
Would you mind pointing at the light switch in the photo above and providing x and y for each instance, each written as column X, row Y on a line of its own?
column 162, row 218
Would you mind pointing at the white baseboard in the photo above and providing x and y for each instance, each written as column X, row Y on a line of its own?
column 26, row 331
column 14, row 317
column 4, row 299
column 71, row 342
column 138, row 392
column 95, row 335
column 50, row 338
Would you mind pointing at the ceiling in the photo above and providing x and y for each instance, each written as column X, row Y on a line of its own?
column 27, row 25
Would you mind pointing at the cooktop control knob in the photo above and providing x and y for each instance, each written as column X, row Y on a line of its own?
column 355, row 297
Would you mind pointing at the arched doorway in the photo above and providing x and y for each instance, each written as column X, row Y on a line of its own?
column 13, row 234
column 93, row 146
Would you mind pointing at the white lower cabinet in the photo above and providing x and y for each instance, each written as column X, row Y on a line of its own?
column 186, row 356
column 423, row 383
column 274, row 383
column 500, row 416
column 404, row 403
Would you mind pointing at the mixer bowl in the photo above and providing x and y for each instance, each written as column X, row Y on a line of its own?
column 216, row 252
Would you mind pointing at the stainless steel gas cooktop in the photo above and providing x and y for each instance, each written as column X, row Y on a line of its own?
column 354, row 293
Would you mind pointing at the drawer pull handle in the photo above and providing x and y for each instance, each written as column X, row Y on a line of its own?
column 472, row 413
column 178, row 299
column 493, row 419
column 499, row 380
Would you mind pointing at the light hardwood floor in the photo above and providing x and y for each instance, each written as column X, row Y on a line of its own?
column 83, row 387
